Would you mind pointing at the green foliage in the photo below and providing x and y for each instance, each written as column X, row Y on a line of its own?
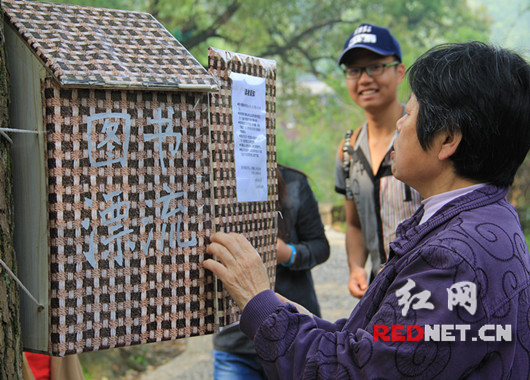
column 140, row 358
column 510, row 25
column 309, row 129
column 128, row 362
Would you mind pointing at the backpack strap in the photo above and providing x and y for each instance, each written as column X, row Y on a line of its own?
column 350, row 138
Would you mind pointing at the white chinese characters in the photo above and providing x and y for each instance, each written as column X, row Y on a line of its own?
column 108, row 141
column 462, row 293
column 407, row 299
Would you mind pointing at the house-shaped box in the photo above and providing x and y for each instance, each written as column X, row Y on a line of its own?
column 113, row 179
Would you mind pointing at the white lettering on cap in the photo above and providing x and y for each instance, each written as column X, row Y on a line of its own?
column 363, row 29
column 363, row 38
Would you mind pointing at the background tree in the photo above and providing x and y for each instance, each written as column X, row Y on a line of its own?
column 305, row 37
column 11, row 353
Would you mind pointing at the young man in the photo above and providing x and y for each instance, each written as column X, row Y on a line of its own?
column 375, row 202
column 453, row 299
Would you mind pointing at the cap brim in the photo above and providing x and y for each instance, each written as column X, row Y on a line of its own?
column 367, row 47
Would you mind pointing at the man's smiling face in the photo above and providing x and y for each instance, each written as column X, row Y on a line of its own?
column 374, row 92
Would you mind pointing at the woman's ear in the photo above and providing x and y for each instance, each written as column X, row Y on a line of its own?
column 450, row 141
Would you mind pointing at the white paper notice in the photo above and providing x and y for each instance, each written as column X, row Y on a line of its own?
column 250, row 138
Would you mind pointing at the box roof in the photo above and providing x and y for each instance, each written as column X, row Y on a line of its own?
column 97, row 47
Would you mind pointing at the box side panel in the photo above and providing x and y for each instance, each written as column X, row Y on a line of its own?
column 256, row 220
column 29, row 182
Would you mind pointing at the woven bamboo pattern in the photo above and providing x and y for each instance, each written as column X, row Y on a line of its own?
column 86, row 46
column 129, row 217
column 256, row 220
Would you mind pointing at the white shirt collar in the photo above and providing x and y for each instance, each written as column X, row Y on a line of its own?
column 436, row 202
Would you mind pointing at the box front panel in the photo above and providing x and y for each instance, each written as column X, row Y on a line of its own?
column 130, row 217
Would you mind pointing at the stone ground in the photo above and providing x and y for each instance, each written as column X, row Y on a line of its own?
column 330, row 278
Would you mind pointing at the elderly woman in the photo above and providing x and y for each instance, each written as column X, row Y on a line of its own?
column 453, row 300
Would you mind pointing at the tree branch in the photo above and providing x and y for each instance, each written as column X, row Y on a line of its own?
column 281, row 50
column 211, row 31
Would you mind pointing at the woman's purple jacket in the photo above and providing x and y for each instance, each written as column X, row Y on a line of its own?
column 453, row 301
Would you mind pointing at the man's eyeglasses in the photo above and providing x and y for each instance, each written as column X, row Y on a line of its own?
column 372, row 70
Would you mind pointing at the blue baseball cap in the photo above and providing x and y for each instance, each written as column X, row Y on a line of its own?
column 374, row 38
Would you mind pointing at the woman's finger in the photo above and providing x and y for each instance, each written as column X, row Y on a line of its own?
column 216, row 268
column 237, row 244
column 222, row 253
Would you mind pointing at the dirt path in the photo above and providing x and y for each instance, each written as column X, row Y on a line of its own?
column 335, row 302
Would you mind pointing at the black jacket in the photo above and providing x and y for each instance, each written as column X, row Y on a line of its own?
column 306, row 234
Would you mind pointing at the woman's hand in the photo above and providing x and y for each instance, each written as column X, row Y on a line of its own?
column 240, row 268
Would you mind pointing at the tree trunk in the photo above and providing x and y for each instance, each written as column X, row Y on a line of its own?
column 10, row 340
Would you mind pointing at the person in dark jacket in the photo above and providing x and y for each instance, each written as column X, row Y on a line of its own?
column 302, row 245
column 453, row 299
